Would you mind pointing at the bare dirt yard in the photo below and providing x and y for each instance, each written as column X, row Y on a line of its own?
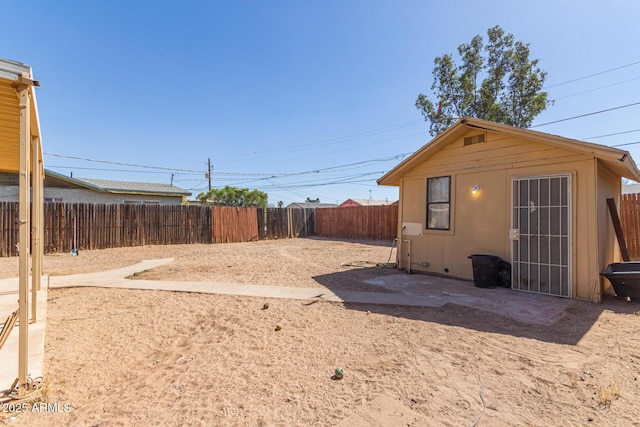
column 119, row 357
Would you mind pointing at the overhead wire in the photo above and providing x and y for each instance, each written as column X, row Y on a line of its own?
column 594, row 89
column 586, row 115
column 124, row 164
column 329, row 141
column 612, row 134
column 592, row 75
column 338, row 140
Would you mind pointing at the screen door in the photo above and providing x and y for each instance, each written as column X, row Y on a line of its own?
column 541, row 235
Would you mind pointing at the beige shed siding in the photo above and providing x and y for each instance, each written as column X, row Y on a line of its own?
column 500, row 151
column 482, row 220
column 481, row 223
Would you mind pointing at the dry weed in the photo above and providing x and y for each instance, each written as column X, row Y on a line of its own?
column 607, row 394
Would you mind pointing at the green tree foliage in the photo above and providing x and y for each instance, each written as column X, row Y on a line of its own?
column 234, row 196
column 496, row 82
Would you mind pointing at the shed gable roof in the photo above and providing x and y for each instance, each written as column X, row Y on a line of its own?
column 617, row 160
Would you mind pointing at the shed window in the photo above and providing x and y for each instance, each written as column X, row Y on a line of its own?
column 438, row 202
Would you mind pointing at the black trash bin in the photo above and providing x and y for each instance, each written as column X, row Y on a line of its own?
column 485, row 270
column 504, row 274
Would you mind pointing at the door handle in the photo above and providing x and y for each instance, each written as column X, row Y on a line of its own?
column 514, row 234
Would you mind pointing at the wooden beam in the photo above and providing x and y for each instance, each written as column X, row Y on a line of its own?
column 25, row 233
column 26, row 80
column 36, row 238
column 618, row 228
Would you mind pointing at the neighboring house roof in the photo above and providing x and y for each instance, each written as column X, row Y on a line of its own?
column 617, row 160
column 368, row 202
column 630, row 188
column 307, row 205
column 121, row 187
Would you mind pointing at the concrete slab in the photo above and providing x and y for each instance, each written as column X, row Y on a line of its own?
column 9, row 352
column 522, row 306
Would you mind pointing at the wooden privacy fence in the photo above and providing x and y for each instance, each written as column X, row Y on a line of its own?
column 630, row 220
column 281, row 223
column 9, row 215
column 232, row 224
column 101, row 226
column 358, row 222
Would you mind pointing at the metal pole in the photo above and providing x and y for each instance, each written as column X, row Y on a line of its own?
column 408, row 255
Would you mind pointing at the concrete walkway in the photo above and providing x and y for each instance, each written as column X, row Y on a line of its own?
column 416, row 290
column 9, row 351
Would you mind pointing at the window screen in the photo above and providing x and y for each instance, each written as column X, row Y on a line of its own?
column 438, row 202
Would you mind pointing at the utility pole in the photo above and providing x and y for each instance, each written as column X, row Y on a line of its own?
column 209, row 172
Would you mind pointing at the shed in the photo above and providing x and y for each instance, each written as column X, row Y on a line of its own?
column 534, row 199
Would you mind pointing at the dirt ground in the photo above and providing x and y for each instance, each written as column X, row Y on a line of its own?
column 117, row 357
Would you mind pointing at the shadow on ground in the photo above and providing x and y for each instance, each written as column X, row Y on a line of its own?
column 459, row 303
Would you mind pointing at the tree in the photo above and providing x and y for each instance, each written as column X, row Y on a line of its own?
column 234, row 196
column 280, row 204
column 510, row 91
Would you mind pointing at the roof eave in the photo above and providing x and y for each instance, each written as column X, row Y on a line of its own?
column 620, row 160
column 146, row 193
column 73, row 181
column 392, row 178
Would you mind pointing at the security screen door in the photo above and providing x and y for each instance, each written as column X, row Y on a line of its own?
column 541, row 235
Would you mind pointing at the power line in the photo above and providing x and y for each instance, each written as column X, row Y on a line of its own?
column 331, row 141
column 587, row 114
column 595, row 89
column 592, row 75
column 612, row 134
column 628, row 143
column 102, row 169
column 343, row 149
column 124, row 164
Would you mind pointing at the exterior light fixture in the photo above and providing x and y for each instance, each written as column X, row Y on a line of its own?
column 475, row 189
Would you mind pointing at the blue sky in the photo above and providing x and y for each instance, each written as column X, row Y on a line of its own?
column 295, row 98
